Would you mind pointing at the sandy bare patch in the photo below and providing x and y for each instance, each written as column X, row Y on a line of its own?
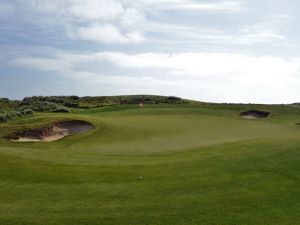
column 55, row 132
column 254, row 114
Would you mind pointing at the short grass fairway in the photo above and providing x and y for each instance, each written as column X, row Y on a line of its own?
column 158, row 165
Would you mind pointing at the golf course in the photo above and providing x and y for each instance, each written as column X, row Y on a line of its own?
column 154, row 164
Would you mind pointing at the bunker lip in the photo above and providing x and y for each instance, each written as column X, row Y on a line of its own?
column 56, row 131
column 255, row 114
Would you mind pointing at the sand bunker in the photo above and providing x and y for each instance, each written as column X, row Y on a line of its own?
column 55, row 132
column 254, row 114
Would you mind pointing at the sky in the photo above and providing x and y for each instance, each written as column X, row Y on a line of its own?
column 238, row 51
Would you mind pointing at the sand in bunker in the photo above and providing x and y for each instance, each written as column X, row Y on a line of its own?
column 254, row 114
column 57, row 131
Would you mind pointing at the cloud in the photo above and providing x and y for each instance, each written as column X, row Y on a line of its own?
column 131, row 17
column 180, row 47
column 190, row 5
column 104, row 21
column 44, row 64
column 108, row 33
column 109, row 21
column 84, row 10
column 221, row 72
column 259, row 33
column 133, row 22
column 186, row 64
column 267, row 70
column 190, row 38
column 96, row 9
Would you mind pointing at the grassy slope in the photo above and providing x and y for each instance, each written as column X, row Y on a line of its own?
column 200, row 165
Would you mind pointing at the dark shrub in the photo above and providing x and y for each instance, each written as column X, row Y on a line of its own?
column 71, row 104
column 74, row 97
column 174, row 99
column 3, row 118
column 62, row 110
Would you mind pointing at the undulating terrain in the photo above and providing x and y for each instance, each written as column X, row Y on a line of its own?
column 150, row 160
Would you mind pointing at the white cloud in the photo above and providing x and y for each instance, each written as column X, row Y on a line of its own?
column 44, row 64
column 221, row 6
column 245, row 68
column 44, row 6
column 187, row 65
column 80, row 9
column 96, row 9
column 131, row 17
column 191, row 5
column 187, row 38
column 219, row 76
column 108, row 33
column 123, row 20
column 173, row 34
column 259, row 33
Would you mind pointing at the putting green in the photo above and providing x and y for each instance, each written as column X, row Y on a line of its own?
column 155, row 166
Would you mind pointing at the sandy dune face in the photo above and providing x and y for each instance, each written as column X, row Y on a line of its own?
column 57, row 131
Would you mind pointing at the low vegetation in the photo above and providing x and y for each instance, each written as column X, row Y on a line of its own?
column 64, row 104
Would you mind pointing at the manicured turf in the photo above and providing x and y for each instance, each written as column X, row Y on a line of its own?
column 157, row 165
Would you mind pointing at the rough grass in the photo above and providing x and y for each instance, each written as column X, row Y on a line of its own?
column 198, row 166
